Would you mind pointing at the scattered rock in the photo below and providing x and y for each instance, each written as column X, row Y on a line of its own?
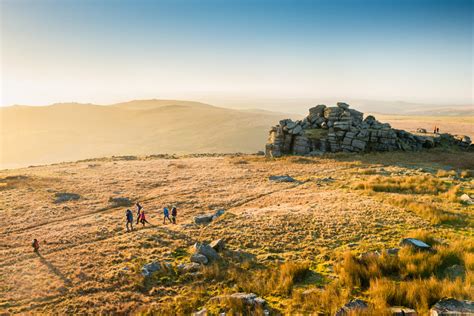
column 218, row 213
column 218, row 245
column 455, row 271
column 189, row 267
column 354, row 306
column 421, row 130
column 281, row 179
column 199, row 258
column 207, row 218
column 466, row 199
column 248, row 299
column 260, row 153
column 368, row 254
column 120, row 201
column 203, row 219
column 416, row 244
column 202, row 312
column 149, row 268
column 206, row 250
column 392, row 251
column 402, row 311
column 451, row 306
column 64, row 197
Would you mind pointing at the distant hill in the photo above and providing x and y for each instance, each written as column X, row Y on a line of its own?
column 71, row 131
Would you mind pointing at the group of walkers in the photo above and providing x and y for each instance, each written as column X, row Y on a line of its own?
column 141, row 218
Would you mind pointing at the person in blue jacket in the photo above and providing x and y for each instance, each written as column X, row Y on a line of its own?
column 166, row 215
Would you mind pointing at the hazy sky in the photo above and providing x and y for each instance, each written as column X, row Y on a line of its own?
column 109, row 51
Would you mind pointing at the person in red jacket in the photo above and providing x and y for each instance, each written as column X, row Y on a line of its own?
column 143, row 218
column 36, row 245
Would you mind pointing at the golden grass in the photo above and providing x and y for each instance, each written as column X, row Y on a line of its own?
column 410, row 184
column 265, row 223
column 425, row 210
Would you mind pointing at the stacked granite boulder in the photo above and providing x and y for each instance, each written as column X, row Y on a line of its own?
column 341, row 129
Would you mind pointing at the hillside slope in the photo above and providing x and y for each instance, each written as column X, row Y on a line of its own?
column 89, row 264
column 71, row 131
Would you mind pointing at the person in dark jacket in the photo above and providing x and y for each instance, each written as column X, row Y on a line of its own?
column 139, row 208
column 174, row 214
column 129, row 215
column 36, row 245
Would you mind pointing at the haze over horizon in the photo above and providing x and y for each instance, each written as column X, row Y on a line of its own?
column 217, row 52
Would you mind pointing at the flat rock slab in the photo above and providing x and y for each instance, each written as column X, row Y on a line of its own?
column 451, row 306
column 416, row 244
column 281, row 179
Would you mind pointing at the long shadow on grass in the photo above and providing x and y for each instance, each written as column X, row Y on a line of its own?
column 55, row 270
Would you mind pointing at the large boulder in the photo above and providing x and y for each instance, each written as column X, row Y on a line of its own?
column 451, row 306
column 206, row 250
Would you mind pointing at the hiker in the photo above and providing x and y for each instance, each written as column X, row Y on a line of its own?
column 166, row 215
column 36, row 245
column 437, row 130
column 143, row 218
column 129, row 215
column 139, row 208
column 174, row 213
column 434, row 131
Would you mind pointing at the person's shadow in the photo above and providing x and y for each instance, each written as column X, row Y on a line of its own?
column 54, row 270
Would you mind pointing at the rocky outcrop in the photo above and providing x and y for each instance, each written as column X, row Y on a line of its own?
column 341, row 129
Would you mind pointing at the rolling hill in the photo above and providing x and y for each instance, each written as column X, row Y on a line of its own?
column 72, row 131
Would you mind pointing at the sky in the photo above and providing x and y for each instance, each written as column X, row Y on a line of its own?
column 109, row 51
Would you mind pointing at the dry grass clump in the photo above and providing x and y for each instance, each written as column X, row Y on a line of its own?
column 324, row 301
column 412, row 184
column 278, row 280
column 425, row 210
column 467, row 174
column 446, row 173
column 186, row 303
column 408, row 264
column 419, row 294
column 414, row 279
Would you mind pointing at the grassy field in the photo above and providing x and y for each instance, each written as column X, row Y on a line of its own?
column 297, row 245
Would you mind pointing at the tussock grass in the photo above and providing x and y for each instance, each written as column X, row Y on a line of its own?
column 411, row 184
column 274, row 281
column 425, row 210
column 467, row 174
column 446, row 173
column 419, row 294
column 409, row 264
